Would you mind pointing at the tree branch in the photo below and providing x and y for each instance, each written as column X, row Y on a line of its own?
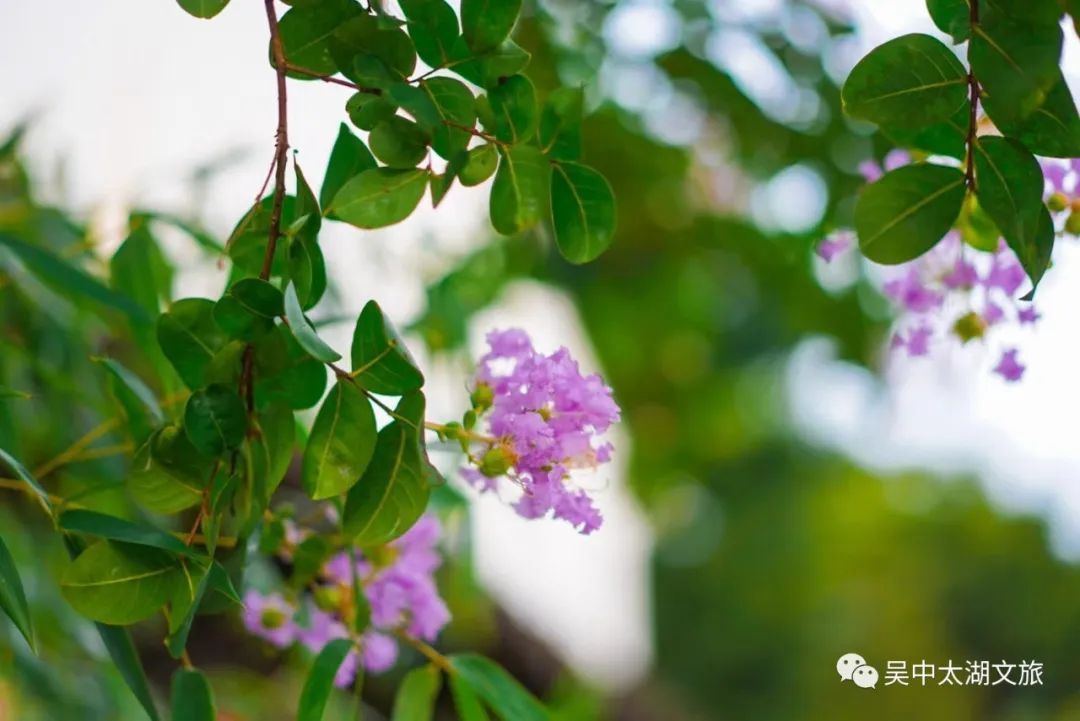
column 973, row 121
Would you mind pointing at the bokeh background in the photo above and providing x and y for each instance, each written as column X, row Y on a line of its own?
column 784, row 491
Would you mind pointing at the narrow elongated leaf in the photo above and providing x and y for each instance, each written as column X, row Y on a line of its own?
column 1035, row 255
column 466, row 702
column 26, row 477
column 119, row 584
column 215, row 419
column 905, row 213
column 190, row 338
column 1009, row 185
column 119, row 529
column 909, row 82
column 304, row 333
column 498, row 689
column 1016, row 63
column 381, row 362
column 72, row 282
column 138, row 393
column 415, row 700
column 519, row 195
column 320, row 680
column 513, row 103
column 12, row 596
column 379, row 197
column 348, row 158
column 203, row 8
column 1053, row 130
column 582, row 211
column 192, row 699
column 394, row 490
column 486, row 23
column 341, row 443
column 187, row 595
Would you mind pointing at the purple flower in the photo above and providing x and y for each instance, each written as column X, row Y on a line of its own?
column 1006, row 274
column 993, row 313
column 270, row 617
column 834, row 244
column 963, row 275
column 1054, row 173
column 896, row 158
column 1009, row 367
column 918, row 341
column 910, row 292
column 545, row 419
column 870, row 170
column 322, row 628
column 378, row 651
column 1027, row 315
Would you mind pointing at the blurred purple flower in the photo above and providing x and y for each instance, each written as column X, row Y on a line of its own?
column 270, row 617
column 835, row 244
column 1027, row 315
column 910, row 292
column 1009, row 367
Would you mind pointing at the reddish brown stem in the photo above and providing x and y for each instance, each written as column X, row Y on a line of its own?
column 973, row 121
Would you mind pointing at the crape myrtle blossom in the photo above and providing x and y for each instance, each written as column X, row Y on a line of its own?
column 1062, row 188
column 398, row 587
column 544, row 420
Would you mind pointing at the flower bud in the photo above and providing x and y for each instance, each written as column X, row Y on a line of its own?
column 272, row 618
column 1072, row 225
column 496, row 462
column 1057, row 202
column 969, row 327
column 482, row 397
column 328, row 598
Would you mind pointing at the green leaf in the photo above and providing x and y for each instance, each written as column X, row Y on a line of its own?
column 307, row 271
column 486, row 23
column 905, row 213
column 203, row 8
column 341, row 443
column 434, row 29
column 456, row 108
column 380, row 197
column 399, row 142
column 348, row 158
column 1051, row 131
column 134, row 395
column 187, row 596
column 248, row 308
column 487, row 69
column 513, row 102
column 247, row 244
column 498, row 689
column 303, row 331
column 167, row 474
column 119, row 584
column 215, row 419
column 1009, row 185
column 519, row 195
column 381, row 363
column 415, row 700
column 192, row 699
column 366, row 110
column 26, row 477
column 1016, row 64
column 190, row 338
column 305, row 35
column 945, row 138
column 366, row 35
column 320, row 680
column 273, row 445
column 480, row 164
column 560, row 124
column 582, row 211
column 466, row 702
column 1029, row 12
column 307, row 204
column 140, row 271
column 952, row 17
column 393, row 492
column 909, row 82
column 285, row 373
column 12, row 596
column 118, row 529
column 1035, row 254
column 71, row 282
column 122, row 652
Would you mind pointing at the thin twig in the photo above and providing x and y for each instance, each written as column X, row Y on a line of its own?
column 973, row 123
column 332, row 79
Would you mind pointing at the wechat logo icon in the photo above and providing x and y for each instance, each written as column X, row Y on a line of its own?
column 853, row 667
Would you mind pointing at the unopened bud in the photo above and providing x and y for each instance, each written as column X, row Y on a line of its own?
column 969, row 327
column 1057, row 202
column 482, row 397
column 328, row 598
column 1072, row 225
column 496, row 462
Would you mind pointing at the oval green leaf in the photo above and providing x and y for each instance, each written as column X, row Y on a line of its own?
column 381, row 362
column 341, row 443
column 348, row 158
column 215, row 419
column 1053, row 130
column 119, row 584
column 905, row 213
column 513, row 103
column 189, row 337
column 582, row 211
column 1016, row 64
column 203, row 8
column 486, row 23
column 519, row 195
column 379, row 197
column 909, row 82
column 192, row 699
column 399, row 142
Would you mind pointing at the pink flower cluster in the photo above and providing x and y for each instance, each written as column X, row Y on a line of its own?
column 1063, row 192
column 401, row 593
column 544, row 418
